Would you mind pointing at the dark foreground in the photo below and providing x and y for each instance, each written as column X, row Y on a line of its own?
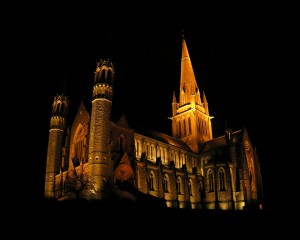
column 79, row 217
column 126, row 220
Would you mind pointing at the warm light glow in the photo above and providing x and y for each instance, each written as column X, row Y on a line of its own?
column 95, row 158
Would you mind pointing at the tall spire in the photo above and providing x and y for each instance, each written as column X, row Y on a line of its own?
column 190, row 118
column 189, row 90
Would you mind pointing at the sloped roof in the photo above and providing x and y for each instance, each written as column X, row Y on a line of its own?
column 218, row 142
column 123, row 122
column 162, row 138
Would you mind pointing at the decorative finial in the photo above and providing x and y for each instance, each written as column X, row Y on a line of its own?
column 182, row 33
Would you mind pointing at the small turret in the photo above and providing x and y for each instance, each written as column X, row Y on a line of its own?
column 103, row 80
column 55, row 143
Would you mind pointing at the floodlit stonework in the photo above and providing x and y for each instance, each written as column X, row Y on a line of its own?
column 94, row 158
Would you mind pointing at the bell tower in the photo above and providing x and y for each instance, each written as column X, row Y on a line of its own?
column 100, row 165
column 190, row 116
column 56, row 139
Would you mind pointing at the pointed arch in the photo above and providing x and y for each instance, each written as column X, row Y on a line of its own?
column 166, row 158
column 153, row 151
column 179, row 185
column 78, row 148
column 138, row 147
column 166, row 184
column 57, row 107
column 151, row 181
column 182, row 159
column 102, row 76
column 148, row 150
column 222, row 179
column 124, row 171
column 210, row 180
column 176, row 159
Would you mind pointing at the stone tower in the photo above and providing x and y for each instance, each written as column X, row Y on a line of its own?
column 190, row 117
column 100, row 164
column 56, row 140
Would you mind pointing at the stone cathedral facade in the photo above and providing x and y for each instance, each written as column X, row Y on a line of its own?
column 94, row 158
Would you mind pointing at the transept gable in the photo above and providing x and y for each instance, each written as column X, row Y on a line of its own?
column 122, row 122
column 82, row 116
column 124, row 171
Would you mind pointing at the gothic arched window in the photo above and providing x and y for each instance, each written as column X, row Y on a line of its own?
column 178, row 185
column 210, row 181
column 222, row 179
column 151, row 181
column 166, row 183
column 190, row 126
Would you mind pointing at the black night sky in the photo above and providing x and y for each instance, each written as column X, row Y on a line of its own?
column 230, row 57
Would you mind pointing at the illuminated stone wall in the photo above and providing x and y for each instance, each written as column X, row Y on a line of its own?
column 195, row 192
column 142, row 175
column 100, row 164
column 53, row 160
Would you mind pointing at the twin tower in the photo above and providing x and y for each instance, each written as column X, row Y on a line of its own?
column 100, row 165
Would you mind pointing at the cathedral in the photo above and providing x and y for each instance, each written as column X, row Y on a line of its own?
column 94, row 158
